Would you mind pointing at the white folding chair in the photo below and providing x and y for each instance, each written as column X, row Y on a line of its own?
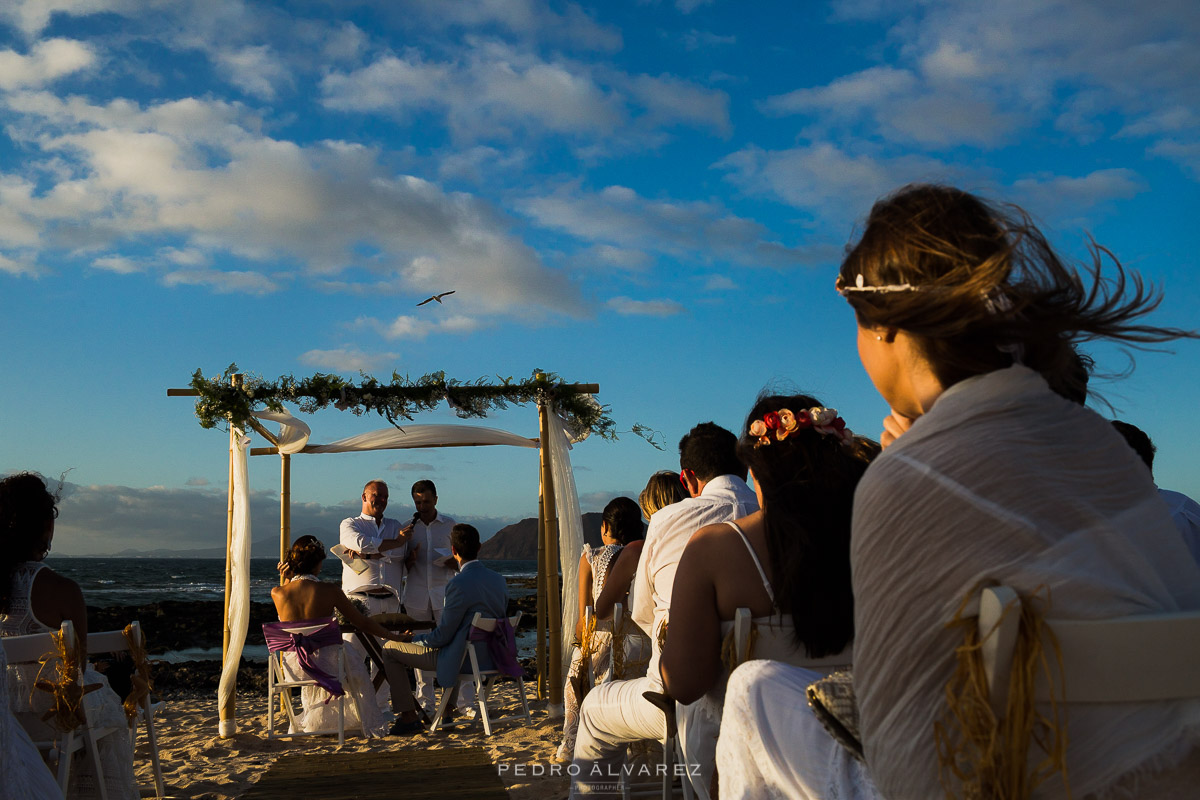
column 283, row 675
column 485, row 680
column 118, row 642
column 1137, row 659
column 57, row 747
column 778, row 643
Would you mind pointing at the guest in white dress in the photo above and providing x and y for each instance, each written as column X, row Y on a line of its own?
column 620, row 525
column 966, row 319
column 23, row 774
column 789, row 563
column 306, row 598
column 36, row 599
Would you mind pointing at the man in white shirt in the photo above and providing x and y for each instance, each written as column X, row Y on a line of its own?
column 425, row 592
column 615, row 713
column 382, row 544
column 1185, row 512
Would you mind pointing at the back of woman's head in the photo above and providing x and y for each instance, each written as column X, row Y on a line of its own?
column 979, row 287
column 306, row 553
column 807, row 481
column 27, row 508
column 661, row 490
column 624, row 520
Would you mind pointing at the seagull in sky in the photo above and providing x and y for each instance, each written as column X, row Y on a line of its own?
column 437, row 297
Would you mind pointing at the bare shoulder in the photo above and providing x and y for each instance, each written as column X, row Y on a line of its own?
column 50, row 581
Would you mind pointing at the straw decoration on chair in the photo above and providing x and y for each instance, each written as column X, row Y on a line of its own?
column 139, row 682
column 984, row 758
column 63, row 663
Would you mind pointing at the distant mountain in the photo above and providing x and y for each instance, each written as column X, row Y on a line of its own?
column 518, row 542
column 267, row 547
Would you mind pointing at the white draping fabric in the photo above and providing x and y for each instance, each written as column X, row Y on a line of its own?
column 570, row 530
column 239, row 566
column 295, row 434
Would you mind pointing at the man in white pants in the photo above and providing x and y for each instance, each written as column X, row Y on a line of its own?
column 425, row 590
column 614, row 714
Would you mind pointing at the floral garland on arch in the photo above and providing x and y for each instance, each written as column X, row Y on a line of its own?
column 221, row 402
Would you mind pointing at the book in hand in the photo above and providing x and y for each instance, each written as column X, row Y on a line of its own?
column 359, row 565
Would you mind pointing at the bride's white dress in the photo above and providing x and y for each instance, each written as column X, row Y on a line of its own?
column 103, row 706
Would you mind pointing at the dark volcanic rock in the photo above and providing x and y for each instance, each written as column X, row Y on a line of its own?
column 518, row 542
column 180, row 624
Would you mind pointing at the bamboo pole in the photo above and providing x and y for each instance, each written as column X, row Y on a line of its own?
column 541, row 589
column 228, row 709
column 285, row 508
column 554, row 590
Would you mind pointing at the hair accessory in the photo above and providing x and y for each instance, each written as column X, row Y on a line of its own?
column 784, row 423
column 861, row 286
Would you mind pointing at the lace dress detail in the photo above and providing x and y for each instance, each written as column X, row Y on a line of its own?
column 601, row 558
column 103, row 706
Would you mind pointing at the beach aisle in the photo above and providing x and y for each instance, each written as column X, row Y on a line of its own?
column 200, row 766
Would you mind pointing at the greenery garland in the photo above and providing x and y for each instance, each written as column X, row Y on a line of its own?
column 221, row 402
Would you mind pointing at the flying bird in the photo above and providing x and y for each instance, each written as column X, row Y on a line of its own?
column 437, row 297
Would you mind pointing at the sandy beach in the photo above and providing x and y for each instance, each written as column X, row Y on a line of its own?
column 198, row 764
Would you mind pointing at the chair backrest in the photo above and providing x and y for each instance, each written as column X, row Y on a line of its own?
column 114, row 641
column 489, row 623
column 31, row 647
column 776, row 642
column 1134, row 659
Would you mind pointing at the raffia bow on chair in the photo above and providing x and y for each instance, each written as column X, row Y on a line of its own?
column 140, row 685
column 980, row 756
column 730, row 658
column 58, row 676
column 581, row 681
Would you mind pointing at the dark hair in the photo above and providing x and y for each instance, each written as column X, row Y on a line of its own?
column 424, row 485
column 989, row 288
column 807, row 483
column 1139, row 440
column 26, row 508
column 662, row 490
column 624, row 519
column 306, row 553
column 465, row 541
column 710, row 451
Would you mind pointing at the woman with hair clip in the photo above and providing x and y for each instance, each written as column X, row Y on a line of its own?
column 620, row 525
column 36, row 599
column 788, row 562
column 966, row 321
column 305, row 597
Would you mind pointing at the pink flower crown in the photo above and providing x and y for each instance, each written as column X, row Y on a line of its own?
column 784, row 423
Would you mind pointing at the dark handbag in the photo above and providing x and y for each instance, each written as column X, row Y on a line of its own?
column 832, row 700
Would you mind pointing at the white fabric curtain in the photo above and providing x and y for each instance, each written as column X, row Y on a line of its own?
column 570, row 530
column 294, row 433
column 239, row 565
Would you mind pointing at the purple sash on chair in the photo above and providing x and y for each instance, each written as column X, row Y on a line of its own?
column 304, row 645
column 501, row 645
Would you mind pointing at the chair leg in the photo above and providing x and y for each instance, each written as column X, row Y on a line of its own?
column 152, row 738
column 66, row 747
column 441, row 712
column 668, row 763
column 685, row 780
column 482, row 689
column 524, row 700
column 93, row 754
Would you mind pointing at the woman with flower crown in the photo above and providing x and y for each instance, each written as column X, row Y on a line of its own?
column 966, row 324
column 789, row 562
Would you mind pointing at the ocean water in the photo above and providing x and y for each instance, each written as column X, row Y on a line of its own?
column 138, row 581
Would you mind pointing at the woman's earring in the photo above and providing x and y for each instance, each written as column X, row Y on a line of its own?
column 879, row 338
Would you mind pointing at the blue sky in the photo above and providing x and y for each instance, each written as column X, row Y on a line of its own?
column 653, row 196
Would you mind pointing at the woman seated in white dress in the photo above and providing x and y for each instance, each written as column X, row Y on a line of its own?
column 36, row 599
column 789, row 563
column 23, row 774
column 305, row 598
column 620, row 525
column 966, row 323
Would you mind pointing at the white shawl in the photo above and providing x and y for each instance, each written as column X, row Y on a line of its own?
column 1005, row 480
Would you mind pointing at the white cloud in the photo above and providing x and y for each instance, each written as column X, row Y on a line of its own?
column 411, row 466
column 622, row 257
column 619, row 217
column 719, row 283
column 223, row 281
column 645, row 308
column 255, row 70
column 1069, row 192
column 526, row 18
column 195, row 481
column 18, row 269
column 118, row 264
column 697, row 40
column 32, row 16
column 48, row 60
column 348, row 359
column 669, row 99
column 688, row 6
column 407, row 326
column 202, row 172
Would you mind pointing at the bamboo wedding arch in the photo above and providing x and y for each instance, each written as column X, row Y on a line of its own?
column 561, row 406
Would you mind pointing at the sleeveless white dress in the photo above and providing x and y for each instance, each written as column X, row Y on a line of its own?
column 361, row 710
column 103, row 706
column 23, row 774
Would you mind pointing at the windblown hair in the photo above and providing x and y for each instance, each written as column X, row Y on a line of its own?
column 624, row 519
column 990, row 288
column 306, row 553
column 1139, row 440
column 661, row 490
column 26, row 507
column 710, row 451
column 807, row 483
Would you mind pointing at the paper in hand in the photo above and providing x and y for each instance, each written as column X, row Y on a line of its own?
column 359, row 565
